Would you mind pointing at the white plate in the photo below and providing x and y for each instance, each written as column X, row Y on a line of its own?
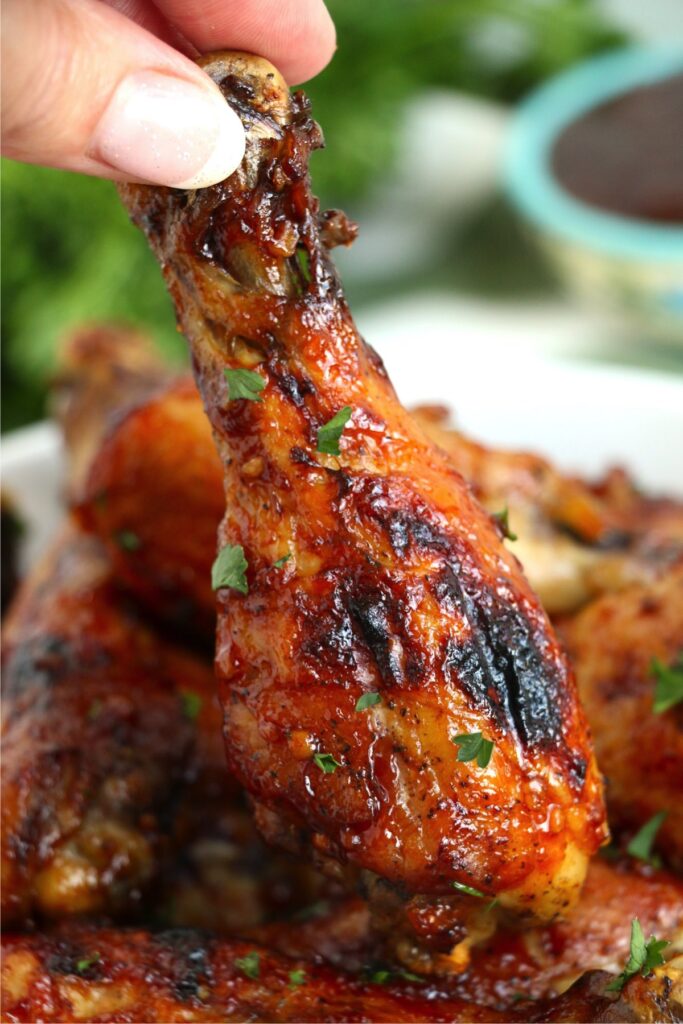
column 584, row 417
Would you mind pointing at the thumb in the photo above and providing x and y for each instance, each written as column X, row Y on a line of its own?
column 86, row 89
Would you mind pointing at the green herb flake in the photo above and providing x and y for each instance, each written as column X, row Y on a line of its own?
column 642, row 842
column 669, row 684
column 86, row 963
column 128, row 540
column 503, row 520
column 384, row 977
column 469, row 890
column 643, row 957
column 282, row 561
column 326, row 763
column 330, row 433
column 244, row 384
column 192, row 704
column 249, row 965
column 313, row 910
column 304, row 263
column 229, row 569
column 297, row 978
column 380, row 977
column 367, row 700
column 473, row 747
column 95, row 709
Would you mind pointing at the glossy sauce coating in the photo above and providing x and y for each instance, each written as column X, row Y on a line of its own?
column 398, row 582
column 156, row 474
column 536, row 963
column 613, row 643
column 104, row 975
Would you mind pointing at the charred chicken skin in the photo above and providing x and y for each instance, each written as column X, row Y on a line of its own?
column 142, row 459
column 185, row 975
column 396, row 583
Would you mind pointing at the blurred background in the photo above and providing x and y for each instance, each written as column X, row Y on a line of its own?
column 416, row 108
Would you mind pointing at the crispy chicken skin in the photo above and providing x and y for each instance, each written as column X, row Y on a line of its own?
column 156, row 478
column 103, row 369
column 398, row 582
column 184, row 975
column 613, row 643
column 90, row 699
column 90, row 974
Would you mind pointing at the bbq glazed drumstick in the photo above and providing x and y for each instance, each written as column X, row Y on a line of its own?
column 393, row 692
column 627, row 649
column 91, row 974
column 156, row 475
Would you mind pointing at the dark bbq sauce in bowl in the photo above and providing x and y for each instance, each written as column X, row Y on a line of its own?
column 626, row 155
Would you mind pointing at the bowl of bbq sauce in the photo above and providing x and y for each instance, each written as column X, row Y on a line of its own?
column 595, row 164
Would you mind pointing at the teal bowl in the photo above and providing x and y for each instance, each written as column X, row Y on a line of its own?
column 634, row 268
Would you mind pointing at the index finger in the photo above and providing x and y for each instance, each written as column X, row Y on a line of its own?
column 296, row 35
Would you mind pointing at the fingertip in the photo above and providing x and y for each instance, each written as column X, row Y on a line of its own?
column 321, row 43
column 168, row 130
column 226, row 154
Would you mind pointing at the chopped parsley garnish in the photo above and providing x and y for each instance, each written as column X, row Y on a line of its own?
column 229, row 569
column 642, row 842
column 192, row 704
column 643, row 956
column 95, row 709
column 312, row 911
column 473, row 747
column 367, row 700
column 128, row 540
column 330, row 433
column 503, row 520
column 669, row 685
column 304, row 263
column 469, row 890
column 281, row 561
column 86, row 963
column 297, row 977
column 244, row 384
column 326, row 763
column 382, row 977
column 249, row 965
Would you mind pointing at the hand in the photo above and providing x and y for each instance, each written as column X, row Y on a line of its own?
column 108, row 87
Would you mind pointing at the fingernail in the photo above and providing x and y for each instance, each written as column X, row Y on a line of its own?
column 169, row 131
